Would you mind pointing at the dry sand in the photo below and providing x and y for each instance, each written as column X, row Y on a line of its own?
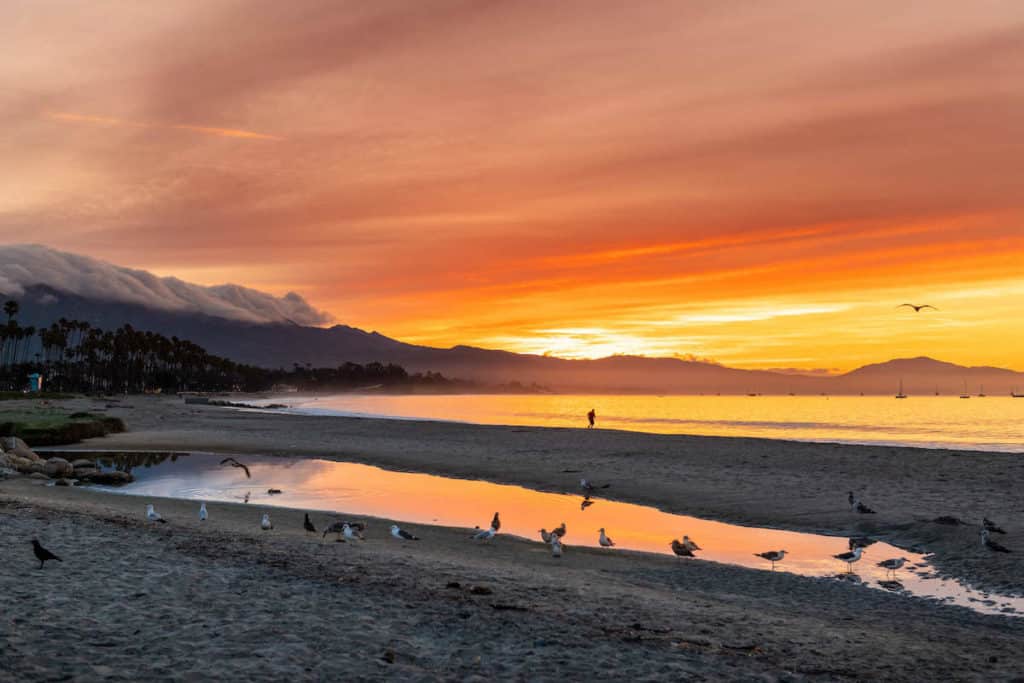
column 223, row 600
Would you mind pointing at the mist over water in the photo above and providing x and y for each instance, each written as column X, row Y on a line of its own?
column 992, row 423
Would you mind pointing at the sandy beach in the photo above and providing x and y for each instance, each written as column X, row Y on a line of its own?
column 225, row 600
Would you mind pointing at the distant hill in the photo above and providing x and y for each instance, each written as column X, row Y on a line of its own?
column 282, row 344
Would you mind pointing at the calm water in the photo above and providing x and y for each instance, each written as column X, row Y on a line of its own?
column 994, row 423
column 420, row 498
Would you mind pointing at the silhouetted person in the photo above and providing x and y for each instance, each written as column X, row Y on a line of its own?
column 591, row 416
column 42, row 554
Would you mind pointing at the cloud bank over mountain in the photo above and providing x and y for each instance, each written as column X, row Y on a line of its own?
column 27, row 265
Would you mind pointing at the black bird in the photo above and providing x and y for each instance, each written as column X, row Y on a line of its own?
column 307, row 524
column 42, row 554
column 495, row 523
column 861, row 542
column 992, row 545
column 235, row 463
column 857, row 506
column 589, row 488
column 586, row 502
column 991, row 526
column 917, row 308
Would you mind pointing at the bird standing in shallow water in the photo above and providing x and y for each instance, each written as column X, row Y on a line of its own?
column 604, row 540
column 850, row 557
column 154, row 516
column 42, row 554
column 202, row 512
column 772, row 556
column 265, row 522
column 890, row 566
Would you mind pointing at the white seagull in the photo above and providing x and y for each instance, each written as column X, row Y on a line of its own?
column 485, row 535
column 604, row 540
column 772, row 556
column 689, row 544
column 892, row 565
column 402, row 534
column 850, row 557
column 202, row 512
column 546, row 535
column 351, row 533
column 680, row 549
column 154, row 516
column 556, row 547
column 265, row 522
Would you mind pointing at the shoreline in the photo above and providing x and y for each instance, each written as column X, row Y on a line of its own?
column 792, row 485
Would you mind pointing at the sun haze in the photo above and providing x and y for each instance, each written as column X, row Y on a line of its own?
column 757, row 184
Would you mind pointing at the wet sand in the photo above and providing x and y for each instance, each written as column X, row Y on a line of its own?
column 759, row 482
column 223, row 600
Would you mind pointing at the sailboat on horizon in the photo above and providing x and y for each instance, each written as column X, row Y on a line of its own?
column 901, row 394
column 965, row 394
column 981, row 391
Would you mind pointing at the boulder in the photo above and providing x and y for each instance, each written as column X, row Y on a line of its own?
column 111, row 478
column 64, row 482
column 23, row 465
column 85, row 472
column 37, row 475
column 13, row 444
column 82, row 462
column 58, row 467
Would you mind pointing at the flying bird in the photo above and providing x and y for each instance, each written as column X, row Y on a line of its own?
column 850, row 557
column 496, row 523
column 402, row 534
column 680, row 549
column 42, row 554
column 559, row 530
column 154, row 516
column 991, row 526
column 203, row 515
column 586, row 502
column 689, row 544
column 992, row 545
column 604, row 540
column 235, row 463
column 546, row 535
column 772, row 556
column 307, row 524
column 917, row 308
column 265, row 522
column 893, row 565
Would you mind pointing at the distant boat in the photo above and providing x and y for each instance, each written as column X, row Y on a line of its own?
column 901, row 394
column 965, row 394
column 981, row 392
column 1014, row 393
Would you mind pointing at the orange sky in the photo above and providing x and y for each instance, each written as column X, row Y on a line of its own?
column 758, row 183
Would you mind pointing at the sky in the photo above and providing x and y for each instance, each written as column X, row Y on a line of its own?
column 759, row 184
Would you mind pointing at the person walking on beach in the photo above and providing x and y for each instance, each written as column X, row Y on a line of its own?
column 591, row 416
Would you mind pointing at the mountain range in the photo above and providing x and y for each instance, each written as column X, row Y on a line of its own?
column 263, row 334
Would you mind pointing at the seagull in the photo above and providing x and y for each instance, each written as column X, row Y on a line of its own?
column 850, row 557
column 202, row 512
column 307, row 524
column 893, row 565
column 559, row 531
column 336, row 528
column 689, row 544
column 546, row 535
column 604, row 540
column 556, row 547
column 861, row 542
column 235, row 463
column 265, row 522
column 680, row 549
column 857, row 506
column 992, row 545
column 991, row 526
column 495, row 523
column 351, row 533
column 42, row 554
column 485, row 535
column 772, row 556
column 586, row 502
column 154, row 516
column 917, row 308
column 247, row 494
column 588, row 487
column 402, row 534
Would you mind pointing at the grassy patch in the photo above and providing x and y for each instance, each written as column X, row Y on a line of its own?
column 53, row 428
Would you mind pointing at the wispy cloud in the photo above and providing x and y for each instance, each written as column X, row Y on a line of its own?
column 205, row 130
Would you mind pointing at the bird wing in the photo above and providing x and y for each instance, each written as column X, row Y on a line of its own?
column 927, row 306
column 246, row 470
column 908, row 306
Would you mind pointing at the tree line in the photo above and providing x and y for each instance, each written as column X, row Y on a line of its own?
column 74, row 356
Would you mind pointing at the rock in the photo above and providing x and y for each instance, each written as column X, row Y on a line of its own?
column 58, row 467
column 7, row 472
column 13, row 444
column 111, row 478
column 23, row 465
column 82, row 462
column 85, row 472
column 64, row 482
column 37, row 475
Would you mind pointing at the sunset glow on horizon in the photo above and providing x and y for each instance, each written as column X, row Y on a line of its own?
column 760, row 186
